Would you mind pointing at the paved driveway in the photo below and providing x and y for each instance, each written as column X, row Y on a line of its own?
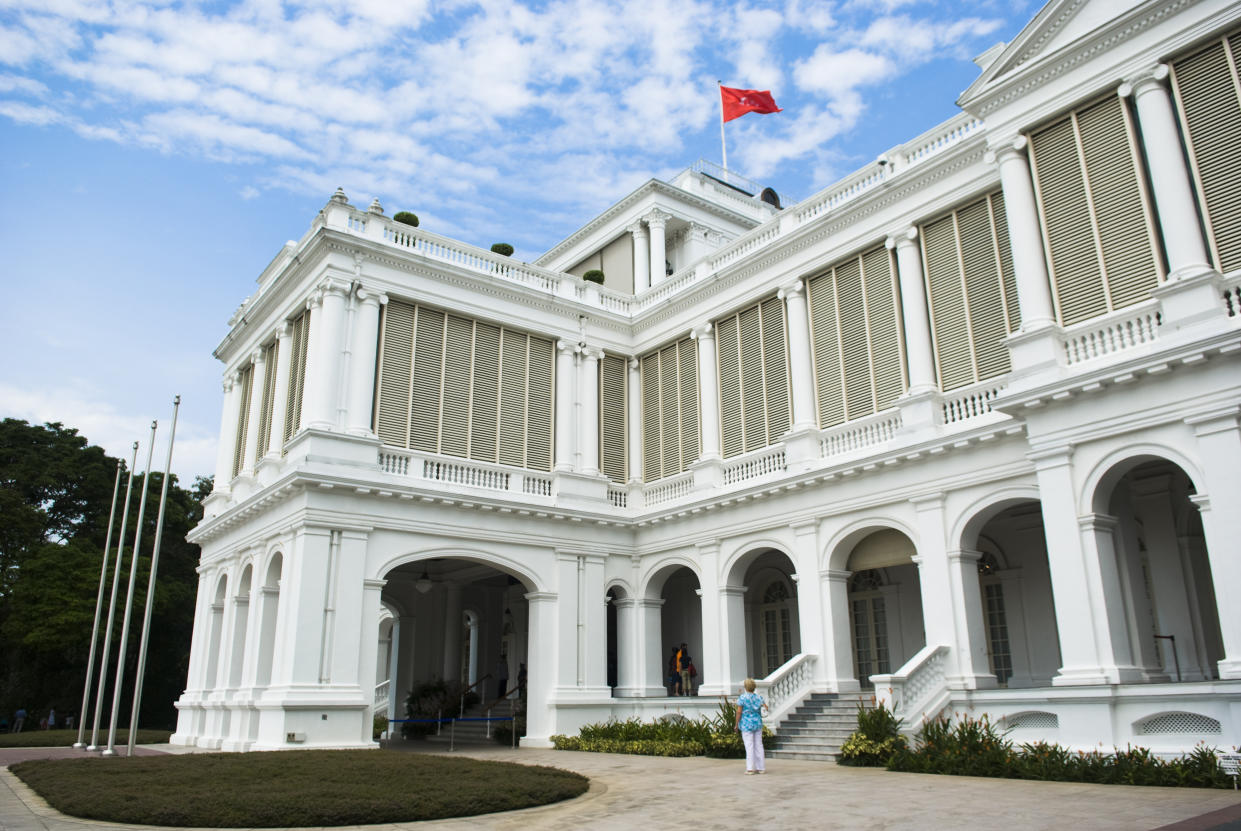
column 637, row 793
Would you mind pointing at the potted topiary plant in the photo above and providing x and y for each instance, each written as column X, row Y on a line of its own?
column 503, row 249
column 406, row 217
column 593, row 276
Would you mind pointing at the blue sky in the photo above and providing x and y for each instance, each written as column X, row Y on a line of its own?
column 157, row 153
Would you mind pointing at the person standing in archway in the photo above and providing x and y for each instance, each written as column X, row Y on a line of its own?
column 683, row 663
column 501, row 674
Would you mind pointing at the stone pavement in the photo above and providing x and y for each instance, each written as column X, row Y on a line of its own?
column 640, row 792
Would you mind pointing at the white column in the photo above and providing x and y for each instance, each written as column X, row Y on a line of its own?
column 280, row 401
column 942, row 605
column 914, row 310
column 837, row 623
column 363, row 350
column 323, row 368
column 968, row 623
column 367, row 656
column 809, row 598
column 652, row 661
column 1170, row 180
column 301, row 609
column 641, row 258
column 708, row 391
column 540, row 669
column 628, row 653
column 1219, row 443
column 313, row 379
column 800, row 370
column 588, row 415
column 258, row 379
column 1029, row 264
column 633, row 390
column 733, row 665
column 566, row 354
column 657, row 221
column 452, row 632
column 228, row 434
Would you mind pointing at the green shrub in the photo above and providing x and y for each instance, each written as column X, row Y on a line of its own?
column 971, row 747
column 378, row 725
column 434, row 699
column 877, row 740
column 503, row 249
column 502, row 732
column 406, row 217
column 636, row 747
column 670, row 735
column 593, row 276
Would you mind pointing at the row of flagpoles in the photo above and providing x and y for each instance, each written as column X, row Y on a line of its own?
column 118, row 684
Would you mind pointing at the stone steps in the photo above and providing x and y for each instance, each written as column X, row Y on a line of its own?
column 816, row 729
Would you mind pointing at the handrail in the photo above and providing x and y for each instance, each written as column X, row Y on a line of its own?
column 506, row 694
column 919, row 689
column 467, row 689
column 788, row 685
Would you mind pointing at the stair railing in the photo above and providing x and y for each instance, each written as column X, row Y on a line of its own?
column 919, row 689
column 788, row 686
column 461, row 714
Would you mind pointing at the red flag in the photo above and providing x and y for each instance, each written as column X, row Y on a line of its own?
column 738, row 102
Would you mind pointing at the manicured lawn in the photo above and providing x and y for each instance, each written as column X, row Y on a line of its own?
column 291, row 788
column 65, row 738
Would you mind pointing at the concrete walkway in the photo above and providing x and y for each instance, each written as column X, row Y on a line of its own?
column 638, row 792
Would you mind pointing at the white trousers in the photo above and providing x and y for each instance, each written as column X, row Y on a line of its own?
column 753, row 740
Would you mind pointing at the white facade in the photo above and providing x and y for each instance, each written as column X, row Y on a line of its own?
column 964, row 428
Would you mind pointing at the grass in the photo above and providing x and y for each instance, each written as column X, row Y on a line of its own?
column 291, row 788
column 66, row 738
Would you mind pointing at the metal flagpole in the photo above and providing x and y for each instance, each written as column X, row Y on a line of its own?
column 94, row 632
column 107, row 632
column 146, row 615
column 723, row 147
column 110, row 750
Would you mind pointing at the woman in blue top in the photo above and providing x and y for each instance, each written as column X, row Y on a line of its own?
column 750, row 725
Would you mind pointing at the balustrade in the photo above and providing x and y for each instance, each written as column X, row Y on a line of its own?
column 785, row 688
column 1115, row 333
column 971, row 402
column 858, row 435
column 917, row 690
column 752, row 466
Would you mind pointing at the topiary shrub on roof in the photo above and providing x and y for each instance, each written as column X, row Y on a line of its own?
column 503, row 249
column 406, row 217
column 593, row 276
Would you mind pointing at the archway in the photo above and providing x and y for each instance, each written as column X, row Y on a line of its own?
column 885, row 604
column 675, row 591
column 770, row 629
column 241, row 620
column 1170, row 606
column 270, row 600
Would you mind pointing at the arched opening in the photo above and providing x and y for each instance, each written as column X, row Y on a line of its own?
column 211, row 679
column 462, row 628
column 1014, row 582
column 680, row 622
column 772, row 634
column 1164, row 576
column 270, row 608
column 612, row 645
column 241, row 619
column 885, row 604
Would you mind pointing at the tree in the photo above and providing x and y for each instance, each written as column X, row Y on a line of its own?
column 59, row 489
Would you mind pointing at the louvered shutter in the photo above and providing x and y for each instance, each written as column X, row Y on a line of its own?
column 269, row 398
column 427, row 381
column 669, row 412
column 883, row 311
column 1208, row 92
column 539, row 404
column 851, row 302
column 455, row 412
column 652, row 435
column 243, row 418
column 484, row 392
column 513, row 377
column 775, row 369
column 688, row 403
column 1004, row 260
column 825, row 336
column 396, row 350
column 984, row 290
column 753, row 418
column 732, row 440
column 612, row 417
column 297, row 375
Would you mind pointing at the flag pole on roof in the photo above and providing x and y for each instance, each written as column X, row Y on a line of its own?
column 735, row 103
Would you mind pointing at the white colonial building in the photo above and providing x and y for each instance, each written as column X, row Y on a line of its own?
column 964, row 428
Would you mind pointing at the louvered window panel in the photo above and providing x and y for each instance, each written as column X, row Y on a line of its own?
column 299, row 339
column 485, row 395
column 396, row 353
column 753, row 416
column 728, row 350
column 245, row 382
column 1097, row 219
column 775, row 369
column 825, row 335
column 968, row 271
column 855, row 331
column 513, row 380
column 612, row 417
column 269, row 398
column 1208, row 93
column 883, row 326
column 452, row 385
column 670, row 409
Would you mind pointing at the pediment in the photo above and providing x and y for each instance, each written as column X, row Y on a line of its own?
column 1059, row 24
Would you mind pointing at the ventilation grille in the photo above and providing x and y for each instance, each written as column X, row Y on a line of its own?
column 1178, row 723
column 1033, row 720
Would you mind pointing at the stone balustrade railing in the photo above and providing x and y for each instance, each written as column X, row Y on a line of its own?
column 785, row 688
column 464, row 473
column 970, row 402
column 754, row 465
column 1118, row 332
column 919, row 689
column 669, row 489
column 1232, row 295
column 859, row 434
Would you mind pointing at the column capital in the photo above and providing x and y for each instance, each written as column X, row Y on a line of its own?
column 633, row 364
column 1141, row 80
column 540, row 597
column 333, row 285
column 228, row 383
column 371, row 296
column 835, row 575
column 258, row 356
column 567, row 347
column 703, row 331
column 283, row 330
column 1097, row 522
column 1049, row 457
column 656, row 217
column 636, row 228
column 794, row 289
column 733, row 591
column 962, row 555
column 902, row 238
column 928, row 502
column 314, row 301
column 1005, row 148
column 591, row 353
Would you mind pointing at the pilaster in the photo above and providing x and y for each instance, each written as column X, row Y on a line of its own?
column 641, row 257
column 362, row 362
